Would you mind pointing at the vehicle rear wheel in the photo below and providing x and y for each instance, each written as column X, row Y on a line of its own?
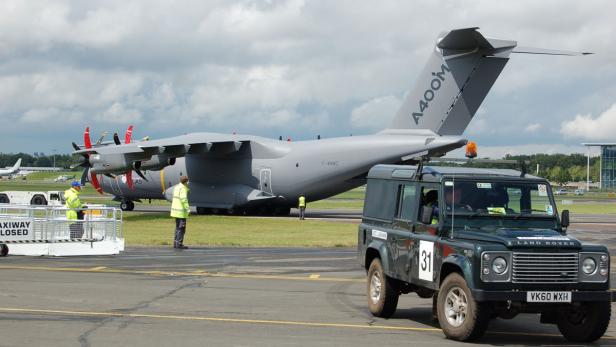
column 382, row 293
column 585, row 323
column 460, row 316
column 4, row 199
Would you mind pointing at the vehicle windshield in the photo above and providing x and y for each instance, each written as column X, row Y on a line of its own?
column 514, row 204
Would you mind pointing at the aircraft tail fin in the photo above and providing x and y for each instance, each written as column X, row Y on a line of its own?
column 459, row 74
column 17, row 165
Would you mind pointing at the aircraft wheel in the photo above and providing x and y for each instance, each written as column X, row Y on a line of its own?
column 4, row 199
column 131, row 206
column 125, row 205
column 4, row 250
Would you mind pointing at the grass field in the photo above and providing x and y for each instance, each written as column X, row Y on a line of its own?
column 157, row 229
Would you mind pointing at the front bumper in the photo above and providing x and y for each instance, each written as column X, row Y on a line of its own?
column 576, row 296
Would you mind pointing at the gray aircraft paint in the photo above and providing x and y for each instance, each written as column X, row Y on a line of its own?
column 229, row 171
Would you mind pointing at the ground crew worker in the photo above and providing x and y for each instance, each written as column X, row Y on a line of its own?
column 73, row 212
column 302, row 206
column 431, row 200
column 180, row 211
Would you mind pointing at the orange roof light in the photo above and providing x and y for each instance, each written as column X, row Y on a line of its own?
column 471, row 150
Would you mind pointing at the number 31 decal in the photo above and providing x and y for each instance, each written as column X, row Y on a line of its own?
column 426, row 260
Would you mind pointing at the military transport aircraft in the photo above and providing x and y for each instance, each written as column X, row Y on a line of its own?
column 11, row 170
column 252, row 174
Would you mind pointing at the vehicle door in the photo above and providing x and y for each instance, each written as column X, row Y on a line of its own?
column 403, row 225
column 424, row 248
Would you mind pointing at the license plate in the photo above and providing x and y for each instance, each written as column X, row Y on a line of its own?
column 548, row 296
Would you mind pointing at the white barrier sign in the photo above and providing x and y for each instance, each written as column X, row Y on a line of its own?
column 16, row 229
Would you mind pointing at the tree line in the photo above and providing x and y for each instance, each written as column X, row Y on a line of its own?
column 558, row 168
column 37, row 160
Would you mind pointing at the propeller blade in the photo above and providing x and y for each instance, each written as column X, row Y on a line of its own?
column 84, row 176
column 100, row 139
column 95, row 183
column 129, row 180
column 116, row 139
column 110, row 175
column 75, row 146
column 129, row 134
column 86, row 138
column 141, row 174
column 82, row 162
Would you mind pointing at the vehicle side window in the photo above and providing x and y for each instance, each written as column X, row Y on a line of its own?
column 429, row 198
column 407, row 201
column 380, row 199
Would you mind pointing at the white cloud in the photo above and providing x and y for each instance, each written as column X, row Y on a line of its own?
column 295, row 65
column 586, row 127
column 376, row 113
column 531, row 128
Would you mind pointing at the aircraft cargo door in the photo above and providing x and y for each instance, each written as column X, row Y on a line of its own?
column 266, row 180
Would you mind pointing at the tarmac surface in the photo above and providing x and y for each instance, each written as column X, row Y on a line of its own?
column 228, row 297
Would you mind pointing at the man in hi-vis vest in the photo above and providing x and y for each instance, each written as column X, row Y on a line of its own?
column 301, row 205
column 180, row 211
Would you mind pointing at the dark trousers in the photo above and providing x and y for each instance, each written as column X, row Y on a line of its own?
column 180, row 230
column 302, row 212
column 76, row 230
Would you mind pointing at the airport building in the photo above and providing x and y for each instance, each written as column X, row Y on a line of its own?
column 607, row 177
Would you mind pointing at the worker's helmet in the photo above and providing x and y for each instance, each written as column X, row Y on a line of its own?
column 75, row 184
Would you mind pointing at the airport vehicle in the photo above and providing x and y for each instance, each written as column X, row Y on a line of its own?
column 561, row 191
column 12, row 170
column 251, row 174
column 579, row 192
column 63, row 178
column 489, row 244
column 52, row 198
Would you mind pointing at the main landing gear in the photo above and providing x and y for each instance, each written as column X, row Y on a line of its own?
column 252, row 211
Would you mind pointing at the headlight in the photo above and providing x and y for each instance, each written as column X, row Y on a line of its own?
column 499, row 265
column 589, row 266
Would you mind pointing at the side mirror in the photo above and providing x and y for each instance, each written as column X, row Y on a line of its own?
column 564, row 219
column 426, row 214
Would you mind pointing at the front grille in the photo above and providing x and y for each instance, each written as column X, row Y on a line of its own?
column 545, row 267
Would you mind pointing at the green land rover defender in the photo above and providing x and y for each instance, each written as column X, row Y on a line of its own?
column 482, row 243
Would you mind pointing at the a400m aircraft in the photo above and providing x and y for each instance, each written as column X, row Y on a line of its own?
column 256, row 175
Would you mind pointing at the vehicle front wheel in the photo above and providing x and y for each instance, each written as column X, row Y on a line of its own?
column 460, row 316
column 4, row 250
column 382, row 293
column 585, row 323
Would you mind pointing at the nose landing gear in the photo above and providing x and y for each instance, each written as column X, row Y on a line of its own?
column 127, row 205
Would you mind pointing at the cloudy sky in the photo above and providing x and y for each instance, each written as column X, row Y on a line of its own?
column 294, row 68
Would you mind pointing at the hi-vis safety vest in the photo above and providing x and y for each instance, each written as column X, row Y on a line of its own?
column 302, row 201
column 72, row 202
column 179, row 204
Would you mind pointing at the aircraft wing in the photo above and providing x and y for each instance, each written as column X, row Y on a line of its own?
column 156, row 154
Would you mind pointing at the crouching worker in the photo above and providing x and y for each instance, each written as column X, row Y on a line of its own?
column 180, row 211
column 74, row 212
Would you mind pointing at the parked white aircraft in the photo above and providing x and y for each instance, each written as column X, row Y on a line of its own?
column 8, row 171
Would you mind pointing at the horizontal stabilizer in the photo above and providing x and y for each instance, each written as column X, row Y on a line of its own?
column 533, row 50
